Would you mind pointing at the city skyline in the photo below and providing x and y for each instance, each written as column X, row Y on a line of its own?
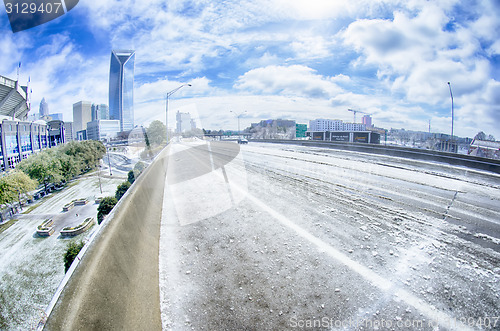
column 275, row 59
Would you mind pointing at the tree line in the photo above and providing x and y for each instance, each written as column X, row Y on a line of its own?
column 107, row 203
column 51, row 166
column 105, row 206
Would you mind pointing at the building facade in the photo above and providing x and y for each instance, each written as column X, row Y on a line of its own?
column 14, row 99
column 103, row 129
column 323, row 125
column 57, row 116
column 184, row 122
column 367, row 121
column 56, row 132
column 19, row 139
column 68, row 127
column 82, row 114
column 483, row 148
column 121, row 88
column 369, row 137
column 100, row 112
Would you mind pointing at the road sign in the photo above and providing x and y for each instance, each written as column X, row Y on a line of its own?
column 300, row 130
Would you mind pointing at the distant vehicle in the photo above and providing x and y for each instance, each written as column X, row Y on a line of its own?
column 242, row 141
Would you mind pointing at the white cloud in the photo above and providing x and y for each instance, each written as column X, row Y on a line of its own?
column 12, row 48
column 295, row 80
column 272, row 46
column 263, row 61
column 417, row 54
column 311, row 47
column 398, row 45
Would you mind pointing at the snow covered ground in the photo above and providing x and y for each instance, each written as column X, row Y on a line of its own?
column 31, row 267
column 283, row 237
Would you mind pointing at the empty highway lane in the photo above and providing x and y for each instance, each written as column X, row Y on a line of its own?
column 217, row 236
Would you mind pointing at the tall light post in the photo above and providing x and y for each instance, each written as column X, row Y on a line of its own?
column 109, row 162
column 166, row 107
column 452, row 114
column 238, row 116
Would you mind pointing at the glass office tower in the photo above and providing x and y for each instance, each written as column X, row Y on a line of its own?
column 121, row 88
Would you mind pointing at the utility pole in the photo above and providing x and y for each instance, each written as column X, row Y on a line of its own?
column 166, row 105
column 451, row 138
column 238, row 116
column 109, row 163
column 99, row 175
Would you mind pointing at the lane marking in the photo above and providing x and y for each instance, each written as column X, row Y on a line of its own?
column 385, row 285
column 435, row 316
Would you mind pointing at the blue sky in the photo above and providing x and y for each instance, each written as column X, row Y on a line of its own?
column 291, row 59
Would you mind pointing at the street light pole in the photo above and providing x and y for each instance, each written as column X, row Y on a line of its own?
column 109, row 162
column 238, row 116
column 99, row 175
column 166, row 106
column 452, row 114
column 19, row 198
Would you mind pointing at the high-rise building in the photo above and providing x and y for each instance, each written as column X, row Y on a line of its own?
column 103, row 112
column 121, row 88
column 367, row 120
column 82, row 114
column 323, row 125
column 93, row 111
column 100, row 112
column 184, row 122
column 103, row 129
column 44, row 108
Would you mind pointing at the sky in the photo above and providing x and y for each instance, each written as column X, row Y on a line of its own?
column 269, row 59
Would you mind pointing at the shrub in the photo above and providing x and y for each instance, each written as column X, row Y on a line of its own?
column 71, row 252
column 105, row 207
column 121, row 189
column 131, row 177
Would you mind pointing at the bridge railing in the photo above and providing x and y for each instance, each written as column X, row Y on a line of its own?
column 470, row 161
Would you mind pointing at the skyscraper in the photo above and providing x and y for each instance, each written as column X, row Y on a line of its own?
column 100, row 112
column 367, row 120
column 44, row 108
column 121, row 88
column 82, row 114
column 184, row 122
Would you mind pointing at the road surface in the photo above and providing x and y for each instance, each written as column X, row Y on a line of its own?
column 282, row 237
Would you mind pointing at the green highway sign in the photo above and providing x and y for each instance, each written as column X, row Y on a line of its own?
column 300, row 130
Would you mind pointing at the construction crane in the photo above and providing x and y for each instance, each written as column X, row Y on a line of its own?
column 355, row 111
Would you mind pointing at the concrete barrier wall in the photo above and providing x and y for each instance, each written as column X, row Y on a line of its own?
column 411, row 153
column 116, row 284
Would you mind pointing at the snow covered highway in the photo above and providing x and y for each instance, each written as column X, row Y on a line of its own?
column 283, row 237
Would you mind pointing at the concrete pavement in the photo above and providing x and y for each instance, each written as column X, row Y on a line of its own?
column 115, row 287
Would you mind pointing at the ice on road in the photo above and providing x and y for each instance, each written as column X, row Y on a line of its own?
column 273, row 237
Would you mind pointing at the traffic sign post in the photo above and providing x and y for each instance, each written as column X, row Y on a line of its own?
column 300, row 130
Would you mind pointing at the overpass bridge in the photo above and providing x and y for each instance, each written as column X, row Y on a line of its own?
column 218, row 236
